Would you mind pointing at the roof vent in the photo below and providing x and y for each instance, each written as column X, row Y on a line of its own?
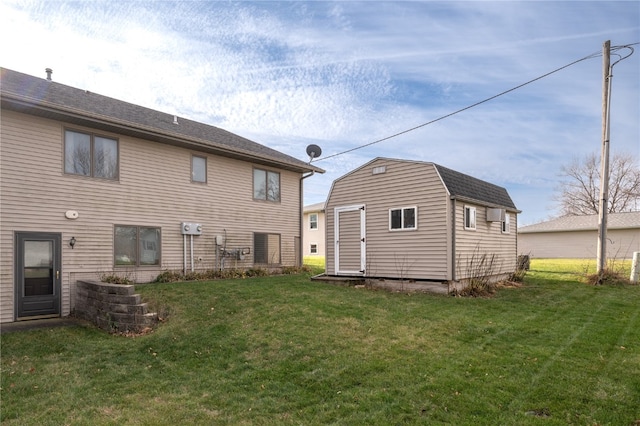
column 49, row 71
column 175, row 119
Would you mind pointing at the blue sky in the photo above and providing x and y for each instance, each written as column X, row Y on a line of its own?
column 344, row 74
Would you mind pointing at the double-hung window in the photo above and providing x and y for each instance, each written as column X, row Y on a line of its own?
column 403, row 218
column 313, row 221
column 469, row 217
column 136, row 246
column 86, row 154
column 313, row 248
column 266, row 185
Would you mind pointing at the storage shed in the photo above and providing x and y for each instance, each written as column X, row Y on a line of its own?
column 417, row 220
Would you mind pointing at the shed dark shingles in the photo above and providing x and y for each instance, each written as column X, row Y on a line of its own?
column 468, row 187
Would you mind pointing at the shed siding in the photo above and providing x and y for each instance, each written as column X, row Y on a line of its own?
column 412, row 254
column 486, row 240
column 621, row 243
column 154, row 189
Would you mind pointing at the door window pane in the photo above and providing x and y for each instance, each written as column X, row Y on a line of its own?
column 38, row 268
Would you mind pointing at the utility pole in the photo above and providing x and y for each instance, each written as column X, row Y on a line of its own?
column 603, row 204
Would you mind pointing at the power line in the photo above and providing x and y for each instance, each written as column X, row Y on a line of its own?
column 591, row 56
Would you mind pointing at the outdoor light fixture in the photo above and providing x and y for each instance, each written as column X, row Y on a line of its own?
column 72, row 242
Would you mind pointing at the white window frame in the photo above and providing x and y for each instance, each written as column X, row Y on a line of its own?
column 402, row 218
column 311, row 221
column 470, row 218
column 313, row 246
column 506, row 224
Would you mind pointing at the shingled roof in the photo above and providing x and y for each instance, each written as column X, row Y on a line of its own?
column 469, row 188
column 45, row 98
column 628, row 220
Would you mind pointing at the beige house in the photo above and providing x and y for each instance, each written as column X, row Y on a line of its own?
column 417, row 220
column 576, row 237
column 90, row 185
column 313, row 231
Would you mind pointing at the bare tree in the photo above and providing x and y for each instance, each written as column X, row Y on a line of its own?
column 579, row 190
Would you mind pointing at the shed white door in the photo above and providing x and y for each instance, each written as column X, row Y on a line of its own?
column 350, row 240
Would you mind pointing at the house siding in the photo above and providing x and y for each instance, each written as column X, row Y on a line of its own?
column 486, row 240
column 314, row 236
column 621, row 244
column 154, row 189
column 413, row 254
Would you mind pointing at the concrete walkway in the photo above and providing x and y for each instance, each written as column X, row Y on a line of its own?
column 38, row 324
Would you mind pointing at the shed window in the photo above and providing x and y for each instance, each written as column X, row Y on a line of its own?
column 506, row 224
column 136, row 246
column 469, row 217
column 90, row 155
column 313, row 248
column 403, row 218
column 266, row 248
column 313, row 221
column 266, row 185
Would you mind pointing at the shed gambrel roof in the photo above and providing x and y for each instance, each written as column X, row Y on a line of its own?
column 466, row 187
column 458, row 185
column 45, row 98
column 628, row 220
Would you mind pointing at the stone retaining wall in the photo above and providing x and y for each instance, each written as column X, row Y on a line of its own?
column 112, row 307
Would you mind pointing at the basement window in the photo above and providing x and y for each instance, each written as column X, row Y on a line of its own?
column 405, row 218
column 266, row 249
column 136, row 246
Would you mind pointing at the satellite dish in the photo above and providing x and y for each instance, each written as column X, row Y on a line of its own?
column 313, row 151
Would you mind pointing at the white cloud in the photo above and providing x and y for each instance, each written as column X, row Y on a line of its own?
column 343, row 74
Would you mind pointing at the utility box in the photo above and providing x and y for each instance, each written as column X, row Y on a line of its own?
column 188, row 228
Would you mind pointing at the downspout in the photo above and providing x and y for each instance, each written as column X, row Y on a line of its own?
column 301, row 216
column 453, row 236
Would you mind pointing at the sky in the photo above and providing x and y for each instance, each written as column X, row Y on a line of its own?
column 346, row 74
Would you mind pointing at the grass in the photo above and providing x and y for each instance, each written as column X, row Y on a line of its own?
column 316, row 262
column 285, row 351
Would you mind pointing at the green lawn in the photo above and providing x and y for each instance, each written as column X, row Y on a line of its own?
column 286, row 351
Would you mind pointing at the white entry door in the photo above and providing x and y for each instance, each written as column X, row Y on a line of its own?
column 350, row 240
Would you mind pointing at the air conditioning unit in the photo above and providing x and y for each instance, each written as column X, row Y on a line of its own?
column 188, row 228
column 495, row 215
